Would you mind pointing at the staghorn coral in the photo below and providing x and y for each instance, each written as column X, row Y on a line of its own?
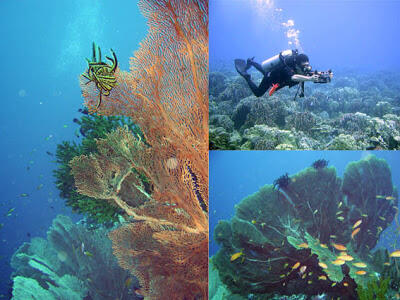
column 300, row 222
column 165, row 94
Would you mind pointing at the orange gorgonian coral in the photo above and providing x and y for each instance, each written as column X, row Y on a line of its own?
column 165, row 93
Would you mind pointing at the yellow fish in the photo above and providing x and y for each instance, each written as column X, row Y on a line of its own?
column 345, row 257
column 358, row 223
column 254, row 221
column 340, row 204
column 333, row 236
column 361, row 272
column 395, row 254
column 322, row 277
column 296, row 265
column 303, row 269
column 386, row 264
column 236, row 255
column 340, row 218
column 87, row 253
column 324, row 246
column 304, row 276
column 355, row 231
column 285, row 265
column 322, row 265
column 382, row 218
column 360, row 265
column 364, row 215
column 339, row 212
column 338, row 262
column 345, row 284
column 309, row 282
column 380, row 197
column 333, row 284
column 390, row 198
column 303, row 245
column 339, row 247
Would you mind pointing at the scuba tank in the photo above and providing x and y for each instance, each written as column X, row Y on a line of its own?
column 271, row 63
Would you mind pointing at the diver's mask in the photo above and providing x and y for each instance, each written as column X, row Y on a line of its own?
column 306, row 68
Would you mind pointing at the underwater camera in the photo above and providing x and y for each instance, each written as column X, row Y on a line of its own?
column 323, row 77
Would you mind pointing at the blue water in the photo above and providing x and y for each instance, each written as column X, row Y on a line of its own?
column 340, row 34
column 237, row 174
column 43, row 49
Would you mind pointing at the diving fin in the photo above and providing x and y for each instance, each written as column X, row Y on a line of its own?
column 241, row 67
column 273, row 88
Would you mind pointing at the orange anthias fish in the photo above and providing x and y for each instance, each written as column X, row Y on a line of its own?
column 355, row 231
column 339, row 247
column 296, row 265
column 303, row 245
column 358, row 223
column 361, row 272
column 323, row 265
column 236, row 255
column 273, row 88
column 395, row 254
column 345, row 257
column 360, row 265
column 338, row 262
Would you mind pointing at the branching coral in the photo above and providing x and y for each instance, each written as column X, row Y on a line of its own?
column 165, row 94
column 292, row 248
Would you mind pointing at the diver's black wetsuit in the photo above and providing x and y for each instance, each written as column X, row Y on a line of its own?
column 281, row 76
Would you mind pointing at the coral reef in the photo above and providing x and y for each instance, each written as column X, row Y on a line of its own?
column 291, row 237
column 355, row 111
column 91, row 127
column 72, row 263
column 374, row 290
column 166, row 95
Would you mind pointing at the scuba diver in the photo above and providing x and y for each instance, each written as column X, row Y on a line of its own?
column 287, row 68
